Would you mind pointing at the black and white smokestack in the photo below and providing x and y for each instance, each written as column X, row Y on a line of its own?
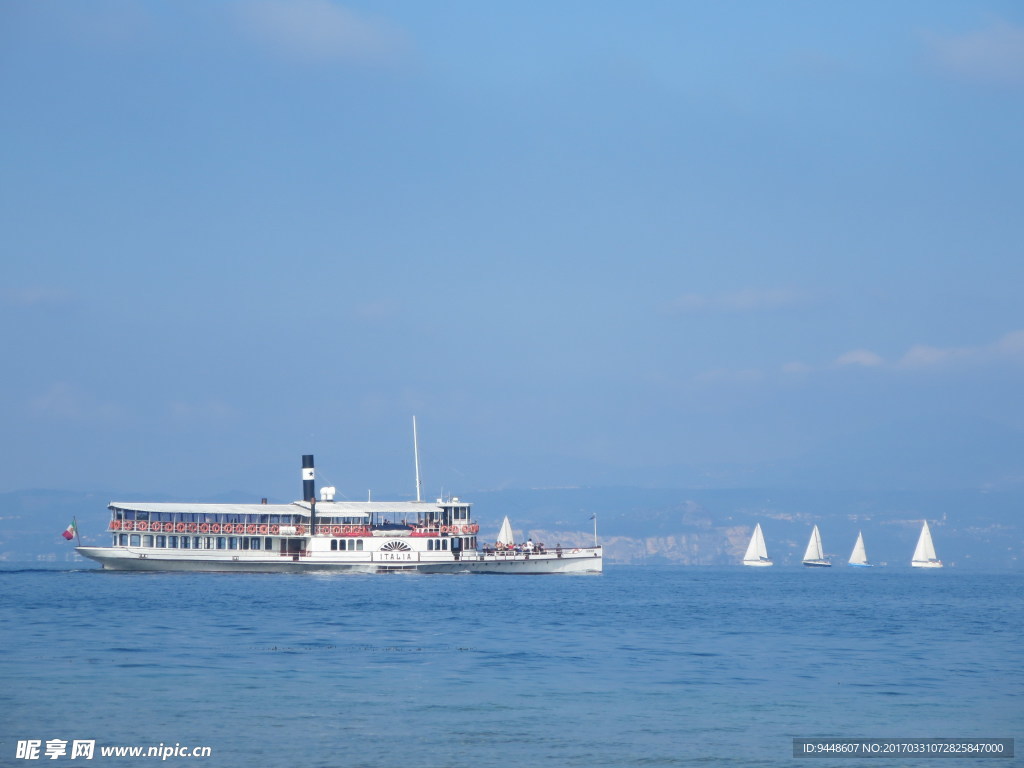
column 308, row 479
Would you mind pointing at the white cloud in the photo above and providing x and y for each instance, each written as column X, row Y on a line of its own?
column 863, row 357
column 319, row 30
column 747, row 300
column 925, row 356
column 994, row 54
column 1009, row 347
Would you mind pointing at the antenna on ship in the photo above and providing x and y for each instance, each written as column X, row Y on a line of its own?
column 416, row 458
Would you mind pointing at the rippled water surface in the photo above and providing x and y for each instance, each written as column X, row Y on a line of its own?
column 641, row 666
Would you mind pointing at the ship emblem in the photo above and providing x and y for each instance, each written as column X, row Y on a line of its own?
column 395, row 546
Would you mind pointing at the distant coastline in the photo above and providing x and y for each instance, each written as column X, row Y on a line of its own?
column 972, row 529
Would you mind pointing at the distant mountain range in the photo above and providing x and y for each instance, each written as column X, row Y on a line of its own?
column 971, row 529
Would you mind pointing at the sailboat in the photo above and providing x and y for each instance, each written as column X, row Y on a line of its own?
column 924, row 555
column 757, row 552
column 505, row 537
column 859, row 558
column 814, row 556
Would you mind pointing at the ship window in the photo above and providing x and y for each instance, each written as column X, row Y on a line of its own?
column 254, row 543
column 359, row 545
column 161, row 541
column 232, row 543
column 430, row 544
column 124, row 540
column 334, row 545
column 185, row 541
column 172, row 542
column 444, row 543
column 114, row 542
column 134, row 540
column 222, row 542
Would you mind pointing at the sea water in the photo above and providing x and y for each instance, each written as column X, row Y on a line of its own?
column 639, row 666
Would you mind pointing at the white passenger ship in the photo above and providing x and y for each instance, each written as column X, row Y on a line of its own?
column 311, row 535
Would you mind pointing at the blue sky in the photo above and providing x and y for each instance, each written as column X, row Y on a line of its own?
column 664, row 244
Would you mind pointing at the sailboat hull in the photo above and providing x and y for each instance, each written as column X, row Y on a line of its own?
column 817, row 564
column 758, row 563
column 927, row 563
column 860, row 565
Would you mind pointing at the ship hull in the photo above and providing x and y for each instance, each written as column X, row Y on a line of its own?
column 587, row 560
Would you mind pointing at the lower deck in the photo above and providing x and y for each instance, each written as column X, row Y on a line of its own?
column 568, row 560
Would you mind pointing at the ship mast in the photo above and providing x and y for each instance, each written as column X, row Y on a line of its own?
column 416, row 458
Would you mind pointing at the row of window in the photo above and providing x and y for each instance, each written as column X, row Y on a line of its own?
column 193, row 542
column 467, row 542
column 256, row 542
column 204, row 517
column 354, row 545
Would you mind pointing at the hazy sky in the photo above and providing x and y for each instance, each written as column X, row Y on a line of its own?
column 586, row 243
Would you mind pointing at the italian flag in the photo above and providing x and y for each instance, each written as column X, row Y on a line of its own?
column 72, row 529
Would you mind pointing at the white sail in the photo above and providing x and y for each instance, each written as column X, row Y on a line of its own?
column 505, row 537
column 924, row 553
column 814, row 554
column 859, row 556
column 814, row 546
column 757, row 552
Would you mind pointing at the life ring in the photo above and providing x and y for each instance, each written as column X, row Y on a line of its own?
column 474, row 528
column 168, row 527
column 204, row 527
column 264, row 529
column 192, row 527
column 180, row 527
column 336, row 530
column 142, row 525
column 274, row 530
column 300, row 530
column 215, row 528
column 465, row 529
column 115, row 525
column 252, row 528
